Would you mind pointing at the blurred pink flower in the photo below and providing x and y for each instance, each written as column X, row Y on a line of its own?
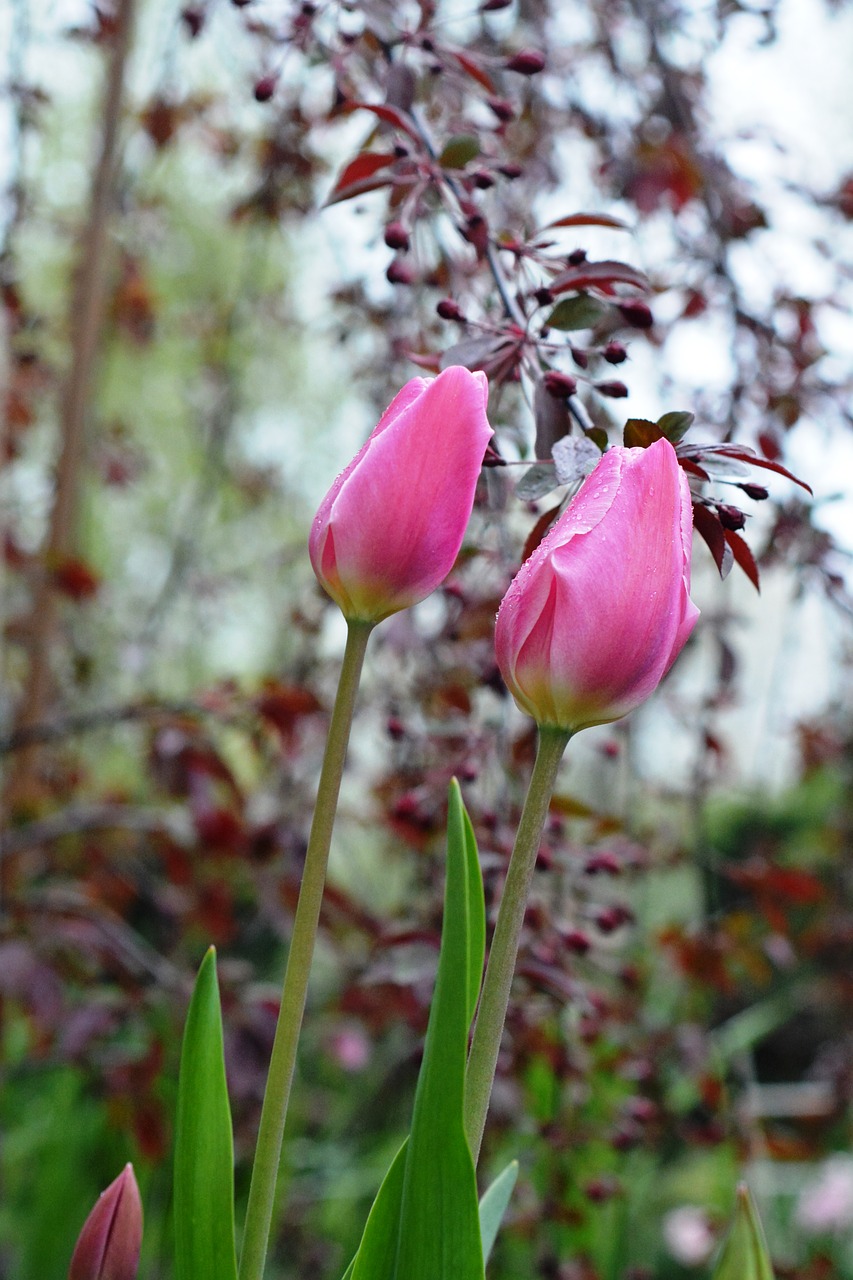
column 596, row 616
column 688, row 1235
column 390, row 528
column 826, row 1203
column 108, row 1246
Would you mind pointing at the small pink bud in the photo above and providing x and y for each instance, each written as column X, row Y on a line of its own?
column 580, row 357
column 637, row 313
column 731, row 517
column 600, row 1190
column 482, row 179
column 448, row 309
column 527, row 62
column 599, row 612
column 397, row 236
column 755, row 491
column 399, row 272
column 576, row 941
column 510, row 170
column 265, row 88
column 108, row 1246
column 544, row 296
column 492, row 6
column 559, row 384
column 193, row 19
column 616, row 390
column 615, row 353
column 576, row 257
column 390, row 528
column 395, row 728
column 503, row 109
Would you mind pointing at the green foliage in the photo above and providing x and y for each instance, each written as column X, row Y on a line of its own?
column 204, row 1156
column 425, row 1223
column 744, row 1255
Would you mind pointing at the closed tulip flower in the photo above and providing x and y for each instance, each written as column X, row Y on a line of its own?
column 108, row 1246
column 390, row 528
column 596, row 616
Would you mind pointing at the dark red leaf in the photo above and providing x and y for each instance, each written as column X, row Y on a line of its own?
column 389, row 114
column 473, row 69
column 742, row 453
column 711, row 531
column 360, row 176
column 599, row 275
column 587, row 220
column 692, row 468
column 743, row 556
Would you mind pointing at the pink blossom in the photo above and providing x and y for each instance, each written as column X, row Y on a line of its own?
column 390, row 528
column 596, row 616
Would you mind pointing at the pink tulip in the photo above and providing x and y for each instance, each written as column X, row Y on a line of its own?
column 597, row 615
column 390, row 528
column 108, row 1246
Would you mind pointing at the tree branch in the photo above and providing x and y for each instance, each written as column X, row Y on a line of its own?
column 85, row 323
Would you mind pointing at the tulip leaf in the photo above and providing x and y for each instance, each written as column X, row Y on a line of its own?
column 744, row 1255
column 377, row 1254
column 578, row 312
column 439, row 1212
column 493, row 1206
column 476, row 913
column 204, row 1154
column 425, row 1221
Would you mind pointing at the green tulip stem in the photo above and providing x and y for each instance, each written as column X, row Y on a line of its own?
column 494, row 1000
column 259, row 1211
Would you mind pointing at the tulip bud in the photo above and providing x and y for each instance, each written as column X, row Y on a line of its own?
column 108, row 1246
column 390, row 528
column 598, row 613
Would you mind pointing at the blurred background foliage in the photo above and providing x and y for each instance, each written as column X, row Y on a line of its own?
column 683, row 1005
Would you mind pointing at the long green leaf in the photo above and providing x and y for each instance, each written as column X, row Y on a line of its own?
column 377, row 1254
column 439, row 1213
column 744, row 1255
column 204, row 1155
column 493, row 1206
